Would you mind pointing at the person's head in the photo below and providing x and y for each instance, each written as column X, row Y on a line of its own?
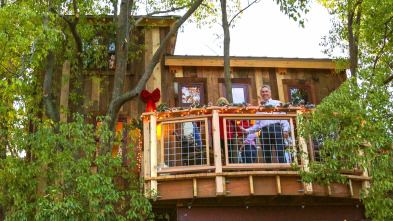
column 222, row 101
column 266, row 93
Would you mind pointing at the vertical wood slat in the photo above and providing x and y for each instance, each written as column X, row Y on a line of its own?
column 251, row 179
column 95, row 93
column 207, row 142
column 153, row 154
column 153, row 41
column 293, row 141
column 195, row 187
column 350, row 187
column 278, row 183
column 280, row 74
column 162, row 145
column 258, row 83
column 65, row 88
column 224, row 127
column 304, row 158
column 145, row 167
column 217, row 153
column 311, row 149
column 365, row 183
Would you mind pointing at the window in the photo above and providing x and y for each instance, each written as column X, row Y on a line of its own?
column 300, row 94
column 239, row 92
column 120, row 139
column 189, row 93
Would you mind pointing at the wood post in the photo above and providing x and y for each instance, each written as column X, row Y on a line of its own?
column 350, row 187
column 145, row 167
column 153, row 154
column 152, row 39
column 304, row 158
column 365, row 183
column 217, row 153
column 251, row 178
column 65, row 89
column 280, row 73
column 278, row 182
column 195, row 187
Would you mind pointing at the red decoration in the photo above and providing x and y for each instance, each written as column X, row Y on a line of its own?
column 150, row 98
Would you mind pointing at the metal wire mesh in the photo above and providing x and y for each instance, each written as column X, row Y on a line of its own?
column 267, row 145
column 185, row 143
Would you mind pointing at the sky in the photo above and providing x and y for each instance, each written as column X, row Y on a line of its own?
column 262, row 31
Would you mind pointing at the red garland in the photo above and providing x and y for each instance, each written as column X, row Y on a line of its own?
column 150, row 98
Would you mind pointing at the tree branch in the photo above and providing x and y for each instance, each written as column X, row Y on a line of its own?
column 242, row 10
column 156, row 57
column 154, row 13
column 387, row 80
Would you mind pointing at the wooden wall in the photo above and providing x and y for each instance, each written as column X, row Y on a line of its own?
column 98, row 83
column 321, row 81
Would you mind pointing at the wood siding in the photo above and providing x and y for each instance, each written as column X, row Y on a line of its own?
column 322, row 81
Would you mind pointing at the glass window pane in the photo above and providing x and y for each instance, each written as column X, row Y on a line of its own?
column 190, row 94
column 299, row 95
column 238, row 95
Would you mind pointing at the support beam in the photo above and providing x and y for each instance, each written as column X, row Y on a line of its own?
column 280, row 74
column 153, row 154
column 152, row 39
column 304, row 159
column 278, row 183
column 195, row 187
column 217, row 153
column 215, row 61
column 350, row 187
column 251, row 184
column 65, row 89
column 145, row 167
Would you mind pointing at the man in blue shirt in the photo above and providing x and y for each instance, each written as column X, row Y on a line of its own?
column 273, row 132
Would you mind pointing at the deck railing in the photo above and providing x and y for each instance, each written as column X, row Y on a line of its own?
column 215, row 140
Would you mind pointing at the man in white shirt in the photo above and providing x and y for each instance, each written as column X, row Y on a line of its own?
column 273, row 132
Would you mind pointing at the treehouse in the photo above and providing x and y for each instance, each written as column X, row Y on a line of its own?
column 194, row 157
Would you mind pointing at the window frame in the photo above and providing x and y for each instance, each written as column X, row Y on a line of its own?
column 296, row 86
column 200, row 85
column 238, row 85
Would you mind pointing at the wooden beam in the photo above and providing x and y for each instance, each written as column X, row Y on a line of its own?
column 252, row 62
column 153, row 154
column 280, row 74
column 251, row 184
column 304, row 157
column 152, row 39
column 194, row 184
column 65, row 89
column 350, row 187
column 217, row 153
column 278, row 183
column 329, row 190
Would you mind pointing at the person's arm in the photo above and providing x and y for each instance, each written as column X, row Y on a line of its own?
column 285, row 127
column 254, row 128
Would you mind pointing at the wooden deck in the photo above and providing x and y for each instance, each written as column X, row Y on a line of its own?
column 214, row 177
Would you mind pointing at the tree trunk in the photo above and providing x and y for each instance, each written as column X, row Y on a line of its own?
column 227, row 40
column 353, row 38
column 118, row 99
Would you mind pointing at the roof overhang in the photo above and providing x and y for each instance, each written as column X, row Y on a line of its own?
column 218, row 61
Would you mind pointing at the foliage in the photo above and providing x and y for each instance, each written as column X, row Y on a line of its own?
column 354, row 124
column 51, row 185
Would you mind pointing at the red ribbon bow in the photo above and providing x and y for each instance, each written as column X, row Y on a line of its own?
column 150, row 98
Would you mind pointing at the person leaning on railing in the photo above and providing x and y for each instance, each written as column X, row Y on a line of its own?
column 273, row 132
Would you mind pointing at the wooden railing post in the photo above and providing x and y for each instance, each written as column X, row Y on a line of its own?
column 365, row 183
column 153, row 155
column 304, row 157
column 217, row 153
column 145, row 167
